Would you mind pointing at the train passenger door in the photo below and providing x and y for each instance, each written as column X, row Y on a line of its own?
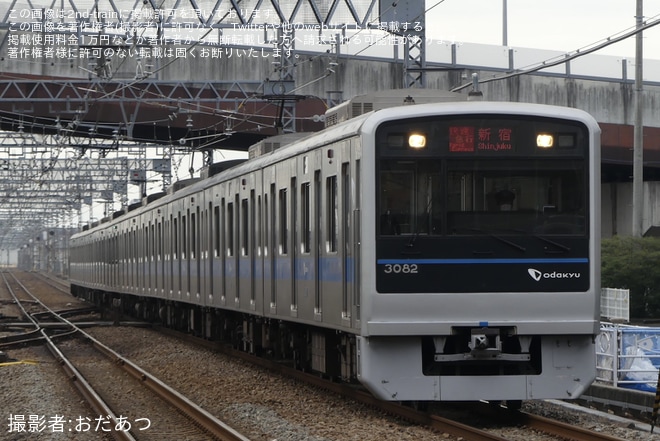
column 216, row 294
column 168, row 239
column 258, row 255
column 160, row 258
column 121, row 247
column 133, row 245
column 354, row 238
column 230, row 279
column 245, row 231
column 195, row 254
column 305, row 247
column 340, row 242
column 176, row 251
column 285, row 294
column 269, row 216
column 151, row 255
column 332, row 251
column 209, row 248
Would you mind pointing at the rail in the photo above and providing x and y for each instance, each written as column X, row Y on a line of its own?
column 216, row 428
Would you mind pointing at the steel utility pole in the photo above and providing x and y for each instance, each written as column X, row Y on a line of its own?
column 505, row 25
column 638, row 142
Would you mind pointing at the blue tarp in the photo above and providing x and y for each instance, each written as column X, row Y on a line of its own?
column 640, row 360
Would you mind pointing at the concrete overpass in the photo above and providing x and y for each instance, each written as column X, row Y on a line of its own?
column 229, row 95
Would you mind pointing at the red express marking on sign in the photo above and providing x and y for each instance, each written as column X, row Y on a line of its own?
column 461, row 139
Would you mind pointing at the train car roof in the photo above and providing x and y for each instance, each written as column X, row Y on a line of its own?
column 363, row 123
column 326, row 136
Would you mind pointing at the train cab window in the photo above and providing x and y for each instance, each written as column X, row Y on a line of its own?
column 516, row 197
column 410, row 198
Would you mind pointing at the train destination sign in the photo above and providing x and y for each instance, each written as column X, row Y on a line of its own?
column 478, row 139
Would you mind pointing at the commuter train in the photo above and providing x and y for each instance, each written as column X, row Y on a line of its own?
column 439, row 251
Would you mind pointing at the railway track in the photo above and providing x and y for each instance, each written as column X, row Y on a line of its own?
column 452, row 428
column 54, row 282
column 432, row 420
column 96, row 371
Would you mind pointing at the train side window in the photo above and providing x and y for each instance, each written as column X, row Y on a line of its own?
column 135, row 244
column 346, row 200
column 251, row 221
column 257, row 227
column 283, row 222
column 267, row 227
column 244, row 227
column 346, row 219
column 143, row 233
column 175, row 238
column 230, row 229
column 152, row 232
column 159, row 238
column 143, row 236
column 270, row 242
column 216, row 231
column 294, row 237
column 184, row 238
column 332, row 213
column 144, row 244
column 165, row 243
column 294, row 213
column 147, row 242
column 306, row 221
column 193, row 235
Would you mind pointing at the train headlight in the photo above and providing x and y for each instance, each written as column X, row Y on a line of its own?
column 417, row 141
column 545, row 140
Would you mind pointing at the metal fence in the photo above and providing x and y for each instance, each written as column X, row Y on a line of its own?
column 628, row 356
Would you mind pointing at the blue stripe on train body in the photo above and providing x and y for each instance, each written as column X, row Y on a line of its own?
column 329, row 269
column 480, row 261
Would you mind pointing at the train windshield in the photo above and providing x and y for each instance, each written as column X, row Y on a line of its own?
column 482, row 175
column 468, row 197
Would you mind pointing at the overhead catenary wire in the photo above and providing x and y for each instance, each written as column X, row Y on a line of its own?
column 555, row 61
column 240, row 116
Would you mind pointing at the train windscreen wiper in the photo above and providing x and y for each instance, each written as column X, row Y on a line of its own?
column 500, row 238
column 562, row 248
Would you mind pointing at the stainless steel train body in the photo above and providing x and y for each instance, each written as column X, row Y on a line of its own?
column 434, row 252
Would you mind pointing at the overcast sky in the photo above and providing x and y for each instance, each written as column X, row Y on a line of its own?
column 563, row 25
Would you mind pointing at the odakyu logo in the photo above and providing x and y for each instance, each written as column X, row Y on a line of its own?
column 538, row 275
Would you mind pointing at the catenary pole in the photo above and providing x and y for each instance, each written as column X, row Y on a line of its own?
column 638, row 141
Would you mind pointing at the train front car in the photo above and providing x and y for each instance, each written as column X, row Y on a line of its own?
column 483, row 280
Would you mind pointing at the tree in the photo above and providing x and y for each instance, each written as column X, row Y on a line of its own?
column 634, row 264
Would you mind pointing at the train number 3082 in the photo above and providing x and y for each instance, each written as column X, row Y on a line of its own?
column 401, row 268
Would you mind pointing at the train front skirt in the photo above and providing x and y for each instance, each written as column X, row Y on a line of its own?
column 392, row 368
